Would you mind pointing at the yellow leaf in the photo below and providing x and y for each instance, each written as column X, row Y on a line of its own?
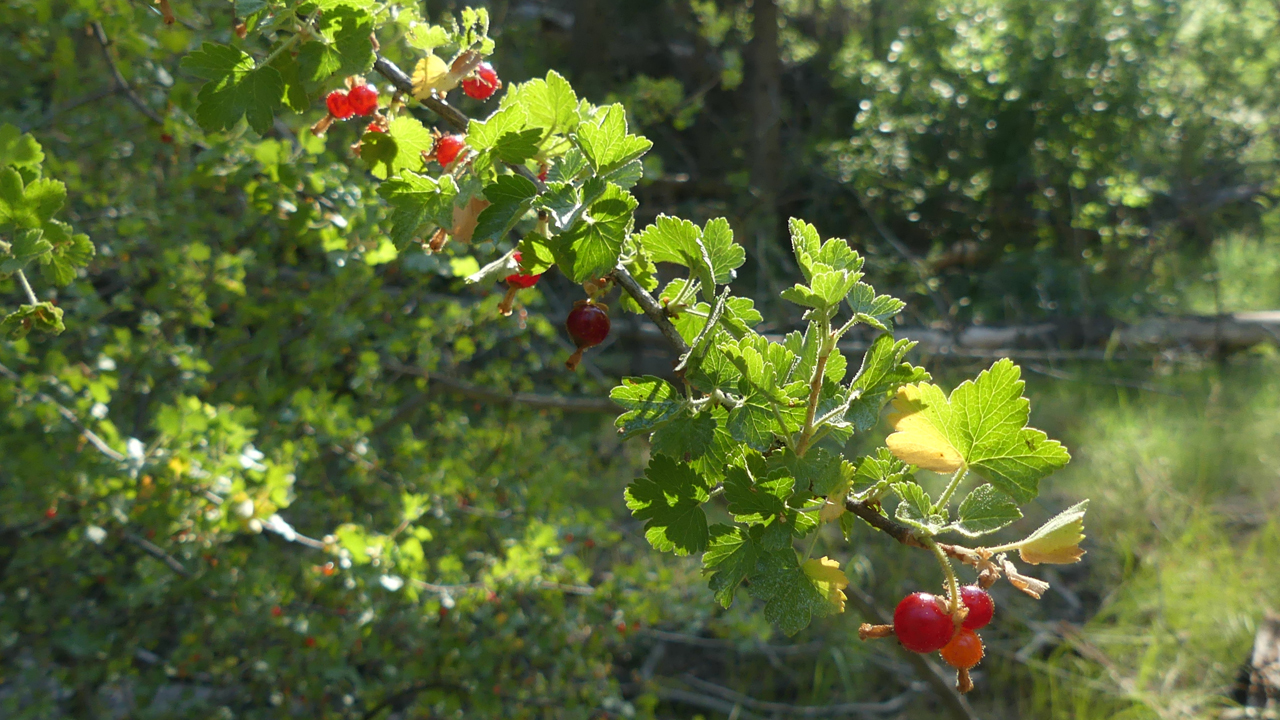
column 833, row 508
column 826, row 574
column 916, row 440
column 1057, row 541
column 432, row 75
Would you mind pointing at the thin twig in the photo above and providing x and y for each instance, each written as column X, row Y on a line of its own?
column 84, row 100
column 651, row 308
column 121, row 84
column 67, row 415
column 885, row 707
column 154, row 551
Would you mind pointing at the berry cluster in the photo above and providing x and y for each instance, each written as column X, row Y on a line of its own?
column 924, row 623
column 361, row 99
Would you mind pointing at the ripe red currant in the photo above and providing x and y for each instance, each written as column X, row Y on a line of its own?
column 276, row 611
column 588, row 325
column 363, row 99
column 339, row 105
column 521, row 280
column 921, row 623
column 51, row 513
column 981, row 606
column 964, row 651
column 483, row 83
column 310, row 641
column 447, row 148
column 374, row 127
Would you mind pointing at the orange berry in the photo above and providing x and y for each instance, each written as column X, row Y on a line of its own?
column 964, row 651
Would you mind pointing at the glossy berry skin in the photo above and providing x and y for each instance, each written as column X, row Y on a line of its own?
column 51, row 513
column 363, row 99
column 964, row 651
column 981, row 606
column 520, row 280
column 588, row 325
column 339, row 105
column 921, row 624
column 483, row 84
column 448, row 147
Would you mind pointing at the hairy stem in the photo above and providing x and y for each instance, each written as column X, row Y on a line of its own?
column 815, row 387
column 26, row 286
column 953, row 586
column 956, row 479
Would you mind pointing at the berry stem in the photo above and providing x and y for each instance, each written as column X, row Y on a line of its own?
column 956, row 479
column 26, row 286
column 953, row 586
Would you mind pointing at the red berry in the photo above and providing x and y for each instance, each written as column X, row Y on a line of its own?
column 542, row 175
column 981, row 606
column 921, row 623
column 327, row 569
column 483, row 83
column 363, row 99
column 166, row 138
column 276, row 611
column 374, row 127
column 964, row 651
column 447, row 148
column 51, row 512
column 310, row 641
column 622, row 627
column 588, row 324
column 339, row 105
column 522, row 280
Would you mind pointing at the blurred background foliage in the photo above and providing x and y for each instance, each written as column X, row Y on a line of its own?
column 1000, row 162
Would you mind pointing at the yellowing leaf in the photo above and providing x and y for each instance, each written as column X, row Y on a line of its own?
column 432, row 76
column 1057, row 541
column 833, row 508
column 981, row 426
column 916, row 439
column 831, row 581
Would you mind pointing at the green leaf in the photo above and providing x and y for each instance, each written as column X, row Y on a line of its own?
column 818, row 471
column 550, row 104
column 417, row 200
column 590, row 248
column 31, row 205
column 42, row 317
column 69, row 252
column 877, row 472
column 685, row 437
column 19, row 149
column 568, row 167
column 535, row 254
column 753, row 423
column 984, row 511
column 669, row 497
column 28, row 246
column 982, row 426
column 791, row 598
column 397, row 150
column 752, row 501
column 485, row 134
column 649, row 402
column 883, row 372
column 517, row 147
column 626, row 176
column 805, row 243
column 916, row 509
column 730, row 558
column 678, row 241
column 874, row 310
column 510, row 196
column 607, row 144
column 236, row 88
